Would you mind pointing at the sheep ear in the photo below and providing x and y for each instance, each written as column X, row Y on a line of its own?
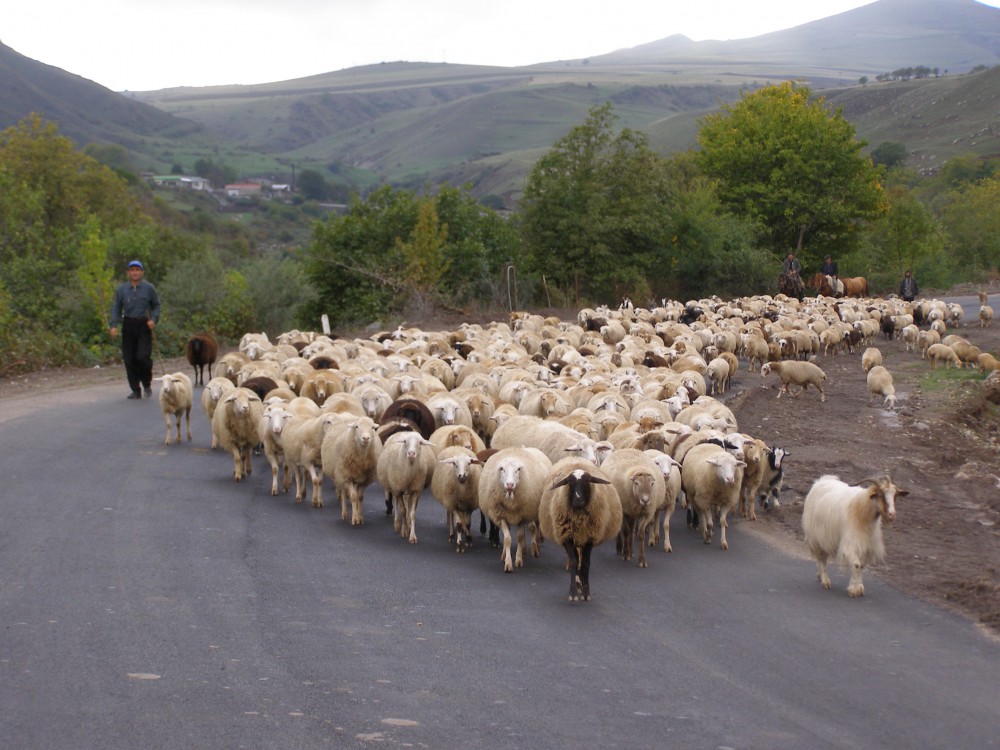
column 597, row 480
column 561, row 483
column 901, row 493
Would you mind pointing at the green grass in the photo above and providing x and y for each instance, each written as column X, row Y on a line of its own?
column 944, row 379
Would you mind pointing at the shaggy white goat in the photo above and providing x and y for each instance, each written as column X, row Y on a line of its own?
column 844, row 522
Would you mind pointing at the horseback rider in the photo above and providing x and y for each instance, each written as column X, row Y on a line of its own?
column 792, row 271
column 829, row 268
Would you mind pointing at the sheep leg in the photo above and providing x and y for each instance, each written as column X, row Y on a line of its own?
column 237, row 464
column 317, row 483
column 166, row 440
column 342, row 494
column 275, row 471
column 723, row 525
column 178, row 440
column 300, row 483
column 411, row 499
column 654, row 533
column 536, row 538
column 357, row 497
column 287, row 481
column 641, row 533
column 452, row 523
column 573, row 563
column 187, row 414
column 508, row 565
column 855, row 587
column 667, row 547
column 585, row 571
column 707, row 525
column 519, row 555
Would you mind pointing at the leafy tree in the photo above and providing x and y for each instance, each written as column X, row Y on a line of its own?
column 972, row 222
column 889, row 154
column 592, row 214
column 424, row 261
column 793, row 166
column 312, row 185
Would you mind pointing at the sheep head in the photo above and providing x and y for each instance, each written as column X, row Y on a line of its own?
column 579, row 482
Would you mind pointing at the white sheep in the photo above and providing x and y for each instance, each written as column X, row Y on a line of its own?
column 579, row 509
column 671, row 472
column 799, row 373
column 448, row 410
column 349, row 455
column 269, row 429
column 404, row 469
column 711, row 478
column 985, row 316
column 510, row 488
column 176, row 398
column 880, row 384
column 942, row 353
column 455, row 485
column 844, row 522
column 872, row 357
column 302, row 440
column 718, row 374
column 234, row 427
column 211, row 394
column 910, row 335
column 641, row 489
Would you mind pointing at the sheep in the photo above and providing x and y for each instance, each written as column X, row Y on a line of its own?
column 871, row 357
column 880, row 384
column 455, row 485
column 404, row 469
column 844, row 522
column 987, row 363
column 176, row 399
column 447, row 409
column 269, row 429
column 968, row 354
column 640, row 487
column 510, row 487
column 910, row 335
column 456, row 434
column 303, row 443
column 234, row 428
column 925, row 340
column 349, row 454
column 212, row 393
column 755, row 455
column 985, row 316
column 415, row 411
column 711, row 478
column 718, row 374
column 579, row 509
column 800, row 373
column 942, row 353
column 670, row 470
column 552, row 438
column 200, row 351
column 230, row 364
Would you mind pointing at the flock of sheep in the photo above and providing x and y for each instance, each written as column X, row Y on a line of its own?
column 577, row 432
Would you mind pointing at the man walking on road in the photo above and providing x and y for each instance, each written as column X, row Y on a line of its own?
column 137, row 308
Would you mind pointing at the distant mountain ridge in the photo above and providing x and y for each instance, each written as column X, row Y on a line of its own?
column 415, row 123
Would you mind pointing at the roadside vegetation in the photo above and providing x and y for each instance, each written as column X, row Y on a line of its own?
column 602, row 215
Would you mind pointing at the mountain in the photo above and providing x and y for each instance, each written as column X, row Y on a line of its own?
column 411, row 123
column 85, row 111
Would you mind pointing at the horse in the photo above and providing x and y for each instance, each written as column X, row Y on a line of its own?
column 823, row 285
column 855, row 286
column 787, row 286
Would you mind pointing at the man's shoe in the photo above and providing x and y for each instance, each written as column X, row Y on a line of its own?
column 134, row 394
column 149, row 392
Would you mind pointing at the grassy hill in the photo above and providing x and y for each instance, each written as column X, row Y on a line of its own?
column 410, row 123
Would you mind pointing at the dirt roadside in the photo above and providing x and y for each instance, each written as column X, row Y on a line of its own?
column 942, row 444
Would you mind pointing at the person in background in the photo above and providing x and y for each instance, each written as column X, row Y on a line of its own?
column 829, row 268
column 793, row 272
column 136, row 308
column 908, row 287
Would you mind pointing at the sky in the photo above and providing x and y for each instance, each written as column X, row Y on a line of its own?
column 143, row 45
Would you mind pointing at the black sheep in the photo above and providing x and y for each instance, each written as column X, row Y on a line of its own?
column 200, row 351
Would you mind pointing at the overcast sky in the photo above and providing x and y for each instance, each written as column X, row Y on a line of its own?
column 141, row 45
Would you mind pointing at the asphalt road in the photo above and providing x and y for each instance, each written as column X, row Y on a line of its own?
column 149, row 601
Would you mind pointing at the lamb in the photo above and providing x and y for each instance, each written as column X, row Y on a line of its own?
column 303, row 443
column 510, row 488
column 640, row 487
column 942, row 353
column 230, row 364
column 670, row 470
column 212, row 393
column 871, row 357
column 910, row 335
column 234, row 427
column 988, row 363
column 200, row 351
column 773, row 477
column 176, row 399
column 880, row 384
column 718, row 375
column 269, row 429
column 968, row 353
column 711, row 478
column 800, row 373
column 349, row 454
column 404, row 469
column 755, row 455
column 456, row 434
column 579, row 509
column 926, row 339
column 845, row 522
column 985, row 315
column 455, row 485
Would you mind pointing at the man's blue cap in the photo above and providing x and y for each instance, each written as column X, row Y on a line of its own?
column 135, row 263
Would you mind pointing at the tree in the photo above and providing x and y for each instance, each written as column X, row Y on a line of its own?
column 593, row 217
column 889, row 154
column 794, row 167
column 312, row 185
column 972, row 222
